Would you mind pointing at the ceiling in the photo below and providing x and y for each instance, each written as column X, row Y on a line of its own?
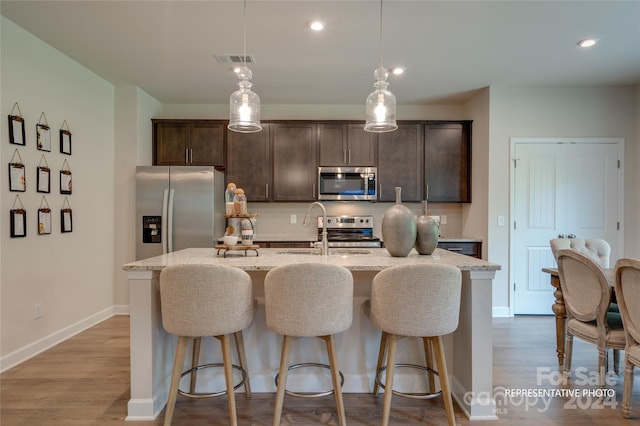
column 450, row 49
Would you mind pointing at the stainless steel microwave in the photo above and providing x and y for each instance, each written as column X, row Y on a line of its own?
column 347, row 183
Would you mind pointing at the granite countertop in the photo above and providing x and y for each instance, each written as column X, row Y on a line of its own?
column 266, row 259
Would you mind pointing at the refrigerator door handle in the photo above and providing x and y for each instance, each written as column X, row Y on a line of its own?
column 164, row 229
column 170, row 223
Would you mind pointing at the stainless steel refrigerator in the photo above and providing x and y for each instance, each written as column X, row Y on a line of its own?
column 178, row 207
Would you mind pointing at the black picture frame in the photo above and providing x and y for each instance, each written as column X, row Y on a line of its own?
column 17, row 178
column 66, row 220
column 43, row 137
column 65, row 182
column 18, row 223
column 16, row 130
column 44, row 180
column 65, row 141
column 44, row 221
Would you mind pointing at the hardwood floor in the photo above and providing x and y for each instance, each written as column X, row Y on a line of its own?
column 85, row 381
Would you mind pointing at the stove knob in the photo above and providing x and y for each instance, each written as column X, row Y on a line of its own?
column 328, row 220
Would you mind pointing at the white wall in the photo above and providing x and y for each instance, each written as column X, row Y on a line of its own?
column 70, row 274
column 556, row 112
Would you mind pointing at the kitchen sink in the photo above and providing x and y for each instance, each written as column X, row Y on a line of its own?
column 337, row 251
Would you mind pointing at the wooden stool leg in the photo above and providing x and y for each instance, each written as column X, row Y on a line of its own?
column 388, row 383
column 444, row 379
column 335, row 378
column 178, row 362
column 287, row 342
column 243, row 361
column 194, row 363
column 228, row 377
column 429, row 359
column 381, row 354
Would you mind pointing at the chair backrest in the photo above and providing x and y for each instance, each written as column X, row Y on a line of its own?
column 598, row 249
column 584, row 286
column 309, row 299
column 205, row 300
column 628, row 297
column 417, row 300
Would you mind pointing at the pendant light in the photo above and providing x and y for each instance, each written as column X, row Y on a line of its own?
column 244, row 105
column 380, row 108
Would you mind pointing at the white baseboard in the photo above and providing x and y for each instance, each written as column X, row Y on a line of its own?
column 500, row 312
column 21, row 355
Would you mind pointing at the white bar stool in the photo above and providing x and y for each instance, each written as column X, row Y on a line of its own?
column 308, row 300
column 206, row 300
column 415, row 301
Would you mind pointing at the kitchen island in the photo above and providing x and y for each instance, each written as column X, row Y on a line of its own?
column 469, row 349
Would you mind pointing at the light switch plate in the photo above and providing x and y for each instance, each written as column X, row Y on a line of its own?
column 294, row 219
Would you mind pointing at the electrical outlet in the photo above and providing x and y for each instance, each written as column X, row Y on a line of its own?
column 294, row 219
column 38, row 310
column 443, row 219
column 500, row 220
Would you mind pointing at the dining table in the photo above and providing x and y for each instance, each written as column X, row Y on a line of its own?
column 560, row 310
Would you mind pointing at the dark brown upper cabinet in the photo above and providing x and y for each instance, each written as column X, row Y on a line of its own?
column 188, row 142
column 294, row 147
column 400, row 156
column 447, row 159
column 346, row 144
column 249, row 163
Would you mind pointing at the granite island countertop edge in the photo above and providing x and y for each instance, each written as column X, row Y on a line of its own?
column 266, row 259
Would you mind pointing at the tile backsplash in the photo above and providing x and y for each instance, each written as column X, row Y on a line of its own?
column 274, row 219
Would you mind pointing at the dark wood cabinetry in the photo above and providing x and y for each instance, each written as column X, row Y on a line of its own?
column 249, row 163
column 294, row 161
column 346, row 144
column 400, row 156
column 447, row 160
column 469, row 248
column 188, row 142
column 425, row 158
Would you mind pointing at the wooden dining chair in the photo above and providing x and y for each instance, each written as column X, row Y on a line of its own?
column 587, row 297
column 628, row 296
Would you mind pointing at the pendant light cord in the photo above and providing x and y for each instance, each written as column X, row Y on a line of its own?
column 244, row 34
column 380, row 32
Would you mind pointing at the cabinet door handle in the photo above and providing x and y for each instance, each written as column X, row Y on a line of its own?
column 186, row 156
column 349, row 158
column 344, row 156
column 455, row 249
column 266, row 191
column 190, row 155
column 313, row 191
column 379, row 191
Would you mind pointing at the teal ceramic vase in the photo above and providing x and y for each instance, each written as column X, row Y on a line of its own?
column 428, row 232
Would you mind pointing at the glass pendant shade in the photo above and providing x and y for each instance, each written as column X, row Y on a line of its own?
column 380, row 108
column 244, row 106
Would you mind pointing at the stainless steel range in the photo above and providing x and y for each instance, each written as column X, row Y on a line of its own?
column 349, row 231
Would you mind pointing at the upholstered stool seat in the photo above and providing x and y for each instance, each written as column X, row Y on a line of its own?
column 308, row 300
column 415, row 301
column 206, row 300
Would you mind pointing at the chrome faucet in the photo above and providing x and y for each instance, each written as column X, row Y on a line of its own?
column 324, row 248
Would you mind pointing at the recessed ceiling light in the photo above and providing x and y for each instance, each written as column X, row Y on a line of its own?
column 316, row 25
column 587, row 42
column 397, row 70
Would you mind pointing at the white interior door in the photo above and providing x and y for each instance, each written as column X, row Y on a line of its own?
column 559, row 189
